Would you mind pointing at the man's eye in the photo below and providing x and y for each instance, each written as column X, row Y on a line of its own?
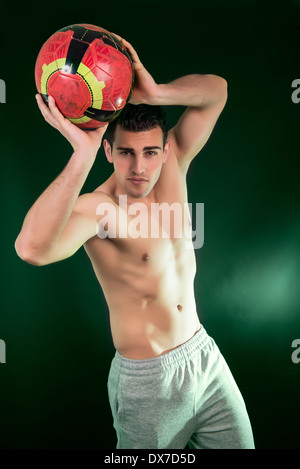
column 151, row 153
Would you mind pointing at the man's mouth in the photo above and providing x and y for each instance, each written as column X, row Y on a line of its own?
column 137, row 180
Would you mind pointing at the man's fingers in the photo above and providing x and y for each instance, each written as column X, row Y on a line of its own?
column 55, row 111
column 132, row 51
column 117, row 36
column 51, row 113
column 44, row 109
column 42, row 106
column 130, row 48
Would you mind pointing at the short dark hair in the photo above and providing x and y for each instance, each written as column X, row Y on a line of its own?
column 138, row 118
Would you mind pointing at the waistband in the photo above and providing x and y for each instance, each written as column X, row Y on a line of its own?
column 183, row 352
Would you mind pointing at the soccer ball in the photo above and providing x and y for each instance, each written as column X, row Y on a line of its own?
column 88, row 72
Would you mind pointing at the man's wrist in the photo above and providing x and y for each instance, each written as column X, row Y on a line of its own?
column 154, row 97
column 84, row 155
column 160, row 96
column 167, row 94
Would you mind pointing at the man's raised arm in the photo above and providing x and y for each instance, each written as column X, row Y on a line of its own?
column 58, row 223
column 204, row 96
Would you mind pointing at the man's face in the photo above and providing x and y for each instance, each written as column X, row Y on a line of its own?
column 137, row 158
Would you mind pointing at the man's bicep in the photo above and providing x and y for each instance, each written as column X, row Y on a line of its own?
column 82, row 225
column 78, row 230
column 192, row 131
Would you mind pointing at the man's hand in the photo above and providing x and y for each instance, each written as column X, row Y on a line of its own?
column 79, row 139
column 146, row 89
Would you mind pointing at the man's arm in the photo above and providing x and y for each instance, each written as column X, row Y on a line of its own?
column 204, row 96
column 58, row 223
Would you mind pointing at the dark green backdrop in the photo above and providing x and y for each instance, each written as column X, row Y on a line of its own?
column 54, row 318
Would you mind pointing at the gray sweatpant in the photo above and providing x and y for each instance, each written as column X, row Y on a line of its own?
column 186, row 396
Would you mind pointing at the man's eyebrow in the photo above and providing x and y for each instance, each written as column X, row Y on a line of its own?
column 152, row 148
column 125, row 149
column 144, row 149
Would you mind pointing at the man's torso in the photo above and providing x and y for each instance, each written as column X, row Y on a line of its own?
column 147, row 277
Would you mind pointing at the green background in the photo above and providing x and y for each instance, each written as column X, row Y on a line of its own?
column 54, row 319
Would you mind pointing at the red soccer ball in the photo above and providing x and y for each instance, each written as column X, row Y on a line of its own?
column 88, row 72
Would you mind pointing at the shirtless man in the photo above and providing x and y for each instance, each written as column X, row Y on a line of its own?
column 168, row 385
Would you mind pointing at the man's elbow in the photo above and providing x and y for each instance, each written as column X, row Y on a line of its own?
column 219, row 90
column 29, row 255
column 222, row 93
column 223, row 89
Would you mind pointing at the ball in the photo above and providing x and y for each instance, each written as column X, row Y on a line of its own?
column 88, row 72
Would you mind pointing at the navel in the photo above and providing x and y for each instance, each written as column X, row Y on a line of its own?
column 145, row 257
column 179, row 307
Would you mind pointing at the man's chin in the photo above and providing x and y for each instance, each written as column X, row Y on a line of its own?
column 138, row 196
column 138, row 192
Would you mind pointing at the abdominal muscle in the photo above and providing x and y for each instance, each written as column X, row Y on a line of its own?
column 150, row 295
column 153, row 328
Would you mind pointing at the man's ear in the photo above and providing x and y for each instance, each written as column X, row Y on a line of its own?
column 107, row 149
column 166, row 151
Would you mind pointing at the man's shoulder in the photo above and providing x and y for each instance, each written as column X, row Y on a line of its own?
column 87, row 203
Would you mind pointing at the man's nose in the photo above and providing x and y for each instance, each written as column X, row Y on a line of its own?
column 138, row 165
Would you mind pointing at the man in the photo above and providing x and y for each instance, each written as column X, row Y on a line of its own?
column 169, row 386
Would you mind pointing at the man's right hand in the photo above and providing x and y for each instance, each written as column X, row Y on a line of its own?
column 79, row 139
